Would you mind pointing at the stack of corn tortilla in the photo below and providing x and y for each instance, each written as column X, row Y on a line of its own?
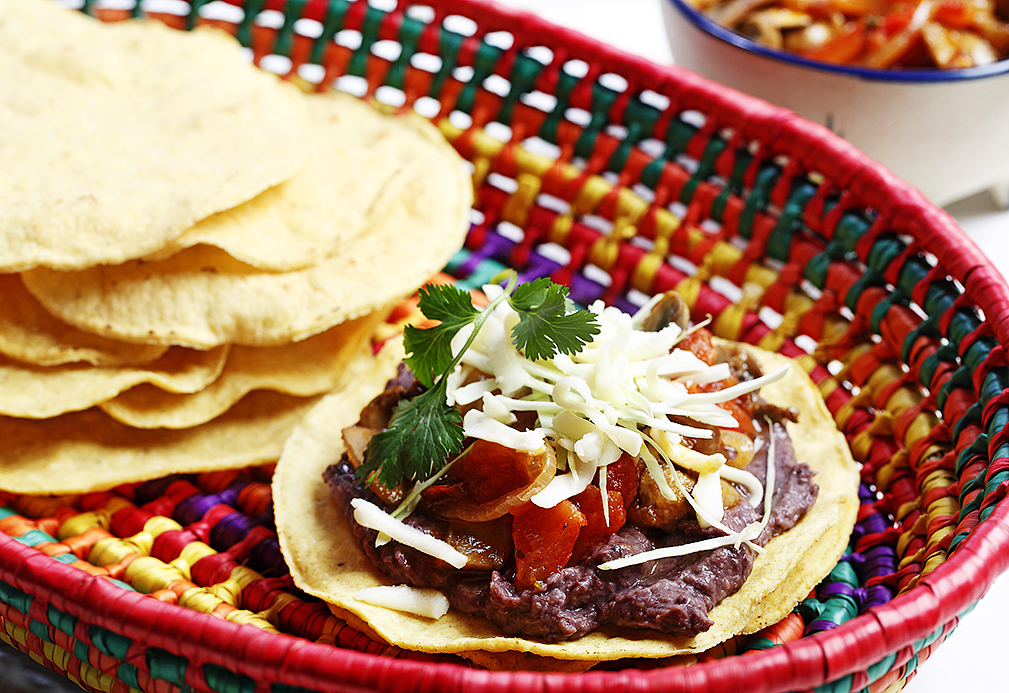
column 192, row 250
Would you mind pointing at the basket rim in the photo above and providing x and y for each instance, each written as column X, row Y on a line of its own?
column 779, row 130
column 936, row 600
column 826, row 656
column 908, row 76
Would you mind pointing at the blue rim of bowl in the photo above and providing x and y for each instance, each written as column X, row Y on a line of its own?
column 923, row 75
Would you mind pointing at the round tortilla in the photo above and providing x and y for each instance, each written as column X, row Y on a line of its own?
column 202, row 297
column 309, row 367
column 41, row 392
column 31, row 335
column 154, row 129
column 325, row 561
column 356, row 162
column 87, row 451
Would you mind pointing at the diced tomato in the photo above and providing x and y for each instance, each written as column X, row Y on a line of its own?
column 597, row 529
column 487, row 472
column 733, row 406
column 544, row 539
column 741, row 415
column 841, row 49
column 955, row 14
column 699, row 344
column 898, row 19
column 622, row 476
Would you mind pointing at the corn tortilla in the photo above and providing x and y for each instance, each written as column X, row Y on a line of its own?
column 202, row 297
column 326, row 562
column 141, row 158
column 30, row 334
column 87, row 451
column 40, row 392
column 354, row 164
column 309, row 367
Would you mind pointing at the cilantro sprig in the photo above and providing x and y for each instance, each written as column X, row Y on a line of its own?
column 425, row 432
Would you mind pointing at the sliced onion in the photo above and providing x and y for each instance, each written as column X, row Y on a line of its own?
column 742, row 444
column 542, row 467
column 356, row 439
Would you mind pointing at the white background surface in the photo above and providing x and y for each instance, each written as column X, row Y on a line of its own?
column 970, row 659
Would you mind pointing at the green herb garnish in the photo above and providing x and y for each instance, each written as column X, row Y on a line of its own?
column 425, row 432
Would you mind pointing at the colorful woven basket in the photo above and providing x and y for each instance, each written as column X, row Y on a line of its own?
column 620, row 178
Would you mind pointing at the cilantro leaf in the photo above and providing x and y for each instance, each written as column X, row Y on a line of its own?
column 422, row 434
column 545, row 325
column 425, row 432
column 430, row 349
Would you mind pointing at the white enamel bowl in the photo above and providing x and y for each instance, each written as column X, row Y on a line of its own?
column 945, row 132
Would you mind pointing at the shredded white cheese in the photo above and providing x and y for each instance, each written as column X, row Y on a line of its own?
column 414, row 600
column 371, row 516
column 593, row 404
column 749, row 533
column 621, row 391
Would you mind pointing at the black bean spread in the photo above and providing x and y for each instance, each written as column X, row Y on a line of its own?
column 670, row 595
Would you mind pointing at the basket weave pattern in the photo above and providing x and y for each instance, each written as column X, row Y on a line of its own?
column 620, row 179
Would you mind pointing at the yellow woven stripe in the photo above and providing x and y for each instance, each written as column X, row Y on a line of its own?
column 190, row 555
column 82, row 522
column 147, row 574
column 629, row 205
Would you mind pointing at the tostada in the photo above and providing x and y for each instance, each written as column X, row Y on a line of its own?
column 576, row 484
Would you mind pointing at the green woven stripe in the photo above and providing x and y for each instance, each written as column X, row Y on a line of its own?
column 849, row 230
column 127, row 673
column 35, row 537
column 252, row 9
column 369, row 35
column 483, row 274
column 108, row 642
column 194, row 12
column 758, row 198
column 842, row 685
column 81, row 651
column 22, row 601
column 867, row 280
column 940, row 297
column 962, row 324
column 165, row 666
column 960, row 378
column 972, row 415
column 883, row 252
column 332, row 23
column 946, row 353
column 448, row 51
column 61, row 620
column 40, row 629
column 914, row 270
column 881, row 668
column 790, row 222
column 224, row 681
column 977, row 449
column 293, row 10
column 6, row 512
column 994, row 382
column 705, row 168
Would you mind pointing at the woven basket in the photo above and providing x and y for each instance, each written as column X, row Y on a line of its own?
column 619, row 178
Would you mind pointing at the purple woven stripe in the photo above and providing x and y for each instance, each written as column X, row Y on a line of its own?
column 265, row 557
column 500, row 249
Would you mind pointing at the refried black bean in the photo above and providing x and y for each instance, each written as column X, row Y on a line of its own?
column 671, row 595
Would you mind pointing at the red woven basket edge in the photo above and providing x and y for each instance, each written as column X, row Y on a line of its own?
column 948, row 591
column 247, row 650
column 813, row 145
